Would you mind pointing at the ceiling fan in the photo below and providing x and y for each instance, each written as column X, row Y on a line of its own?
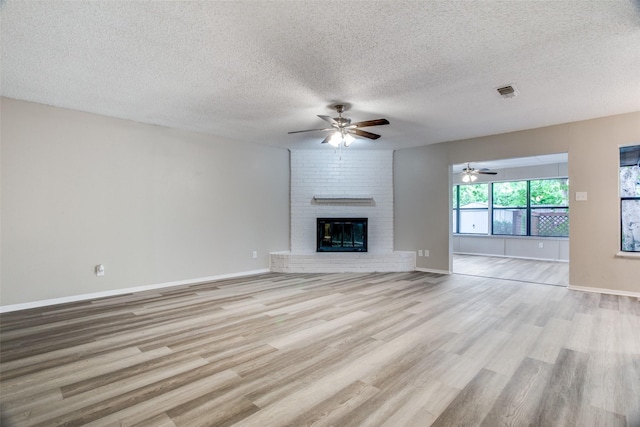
column 343, row 131
column 469, row 173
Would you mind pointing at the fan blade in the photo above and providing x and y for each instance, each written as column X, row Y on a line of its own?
column 324, row 141
column 328, row 119
column 310, row 130
column 486, row 172
column 367, row 123
column 364, row 133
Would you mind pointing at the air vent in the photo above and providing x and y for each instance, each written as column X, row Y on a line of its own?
column 508, row 91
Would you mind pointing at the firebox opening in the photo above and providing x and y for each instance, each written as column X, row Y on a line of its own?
column 342, row 235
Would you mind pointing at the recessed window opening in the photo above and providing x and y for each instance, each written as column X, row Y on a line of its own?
column 537, row 208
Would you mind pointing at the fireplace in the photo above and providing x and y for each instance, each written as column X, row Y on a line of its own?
column 341, row 235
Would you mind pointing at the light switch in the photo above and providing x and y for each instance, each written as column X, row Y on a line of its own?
column 99, row 270
column 581, row 196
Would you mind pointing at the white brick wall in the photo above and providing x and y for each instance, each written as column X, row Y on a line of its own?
column 342, row 262
column 351, row 173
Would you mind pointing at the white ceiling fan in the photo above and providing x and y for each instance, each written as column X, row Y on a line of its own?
column 470, row 174
column 343, row 131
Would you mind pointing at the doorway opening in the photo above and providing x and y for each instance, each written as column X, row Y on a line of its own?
column 510, row 219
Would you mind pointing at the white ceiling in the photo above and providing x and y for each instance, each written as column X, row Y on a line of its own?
column 253, row 70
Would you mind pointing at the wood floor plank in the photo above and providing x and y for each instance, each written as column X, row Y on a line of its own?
column 421, row 408
column 565, row 390
column 160, row 420
column 518, row 402
column 474, row 401
column 597, row 417
column 338, row 408
column 367, row 349
column 87, row 404
column 551, row 340
column 130, row 412
column 513, row 351
column 63, row 376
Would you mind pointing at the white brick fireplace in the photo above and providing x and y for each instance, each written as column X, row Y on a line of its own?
column 351, row 184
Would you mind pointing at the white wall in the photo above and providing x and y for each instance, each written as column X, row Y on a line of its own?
column 152, row 204
column 351, row 173
column 593, row 148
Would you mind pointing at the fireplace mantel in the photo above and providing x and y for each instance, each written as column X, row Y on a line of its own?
column 342, row 200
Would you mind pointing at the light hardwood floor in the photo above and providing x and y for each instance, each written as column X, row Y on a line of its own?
column 385, row 349
column 523, row 270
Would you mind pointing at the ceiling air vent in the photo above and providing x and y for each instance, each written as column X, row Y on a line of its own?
column 508, row 91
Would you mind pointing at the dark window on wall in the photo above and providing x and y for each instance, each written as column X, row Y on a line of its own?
column 630, row 198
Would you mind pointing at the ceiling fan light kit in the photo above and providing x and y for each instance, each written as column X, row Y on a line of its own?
column 343, row 132
column 467, row 177
column 470, row 174
column 343, row 138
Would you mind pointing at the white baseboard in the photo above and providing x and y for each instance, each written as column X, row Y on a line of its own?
column 432, row 270
column 95, row 295
column 605, row 291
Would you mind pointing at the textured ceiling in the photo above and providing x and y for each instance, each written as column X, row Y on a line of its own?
column 253, row 70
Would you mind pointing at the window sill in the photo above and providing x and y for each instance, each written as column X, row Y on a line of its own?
column 508, row 236
column 632, row 255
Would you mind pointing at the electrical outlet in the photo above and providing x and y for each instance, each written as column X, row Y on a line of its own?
column 426, row 252
column 419, row 252
column 541, row 245
column 255, row 254
column 581, row 196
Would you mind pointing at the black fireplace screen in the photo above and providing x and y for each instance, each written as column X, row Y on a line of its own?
column 342, row 235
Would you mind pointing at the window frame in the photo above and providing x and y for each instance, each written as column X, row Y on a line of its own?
column 458, row 210
column 622, row 251
column 529, row 208
column 503, row 208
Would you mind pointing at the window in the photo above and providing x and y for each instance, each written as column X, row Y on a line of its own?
column 471, row 209
column 518, row 208
column 549, row 214
column 510, row 208
column 630, row 198
column 455, row 209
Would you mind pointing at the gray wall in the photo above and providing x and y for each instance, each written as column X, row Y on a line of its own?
column 157, row 205
column 422, row 218
column 422, row 179
column 154, row 205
